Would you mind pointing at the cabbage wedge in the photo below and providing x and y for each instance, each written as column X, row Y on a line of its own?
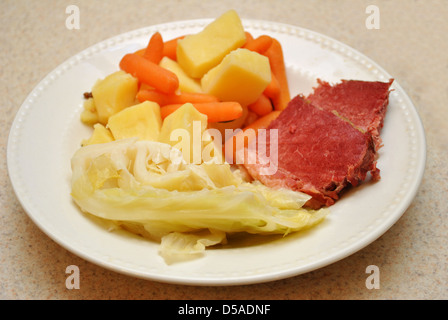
column 148, row 188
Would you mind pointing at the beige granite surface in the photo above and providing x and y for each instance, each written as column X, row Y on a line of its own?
column 411, row 44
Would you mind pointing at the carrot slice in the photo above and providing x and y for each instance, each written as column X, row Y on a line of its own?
column 154, row 49
column 260, row 44
column 170, row 48
column 215, row 111
column 278, row 68
column 164, row 99
column 262, row 106
column 264, row 122
column 230, row 146
column 249, row 38
column 149, row 73
column 140, row 52
column 273, row 88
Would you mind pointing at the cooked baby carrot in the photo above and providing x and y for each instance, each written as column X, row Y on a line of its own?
column 154, row 49
column 170, row 48
column 249, row 38
column 278, row 68
column 273, row 88
column 230, row 146
column 215, row 111
column 164, row 99
column 259, row 44
column 265, row 121
column 149, row 73
column 262, row 106
column 140, row 52
column 251, row 117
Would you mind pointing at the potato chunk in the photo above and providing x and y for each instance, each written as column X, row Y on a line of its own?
column 198, row 53
column 183, row 129
column 241, row 76
column 186, row 83
column 89, row 114
column 142, row 121
column 114, row 93
column 100, row 135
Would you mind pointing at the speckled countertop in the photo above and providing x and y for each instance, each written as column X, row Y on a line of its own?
column 411, row 44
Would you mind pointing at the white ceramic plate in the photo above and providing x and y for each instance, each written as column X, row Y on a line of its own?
column 47, row 131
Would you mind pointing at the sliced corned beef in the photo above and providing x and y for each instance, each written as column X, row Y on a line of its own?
column 318, row 153
column 363, row 103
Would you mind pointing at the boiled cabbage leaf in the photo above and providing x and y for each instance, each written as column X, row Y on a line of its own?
column 147, row 187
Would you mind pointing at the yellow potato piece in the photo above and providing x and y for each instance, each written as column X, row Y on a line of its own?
column 184, row 129
column 242, row 76
column 142, row 121
column 114, row 93
column 198, row 53
column 100, row 135
column 186, row 83
column 89, row 116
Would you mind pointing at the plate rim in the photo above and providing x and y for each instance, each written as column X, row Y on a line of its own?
column 311, row 35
